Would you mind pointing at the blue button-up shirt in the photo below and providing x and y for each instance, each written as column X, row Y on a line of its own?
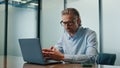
column 82, row 47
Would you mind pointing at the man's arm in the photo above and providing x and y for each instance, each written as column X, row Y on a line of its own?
column 82, row 57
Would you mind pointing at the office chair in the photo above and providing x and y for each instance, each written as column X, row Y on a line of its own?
column 106, row 59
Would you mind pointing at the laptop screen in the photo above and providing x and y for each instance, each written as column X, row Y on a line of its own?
column 31, row 50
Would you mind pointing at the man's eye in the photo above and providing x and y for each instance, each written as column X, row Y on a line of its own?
column 65, row 22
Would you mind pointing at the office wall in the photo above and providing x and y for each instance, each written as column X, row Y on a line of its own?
column 111, row 26
column 21, row 24
column 50, row 28
column 89, row 13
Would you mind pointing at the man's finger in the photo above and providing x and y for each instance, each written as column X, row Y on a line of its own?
column 46, row 49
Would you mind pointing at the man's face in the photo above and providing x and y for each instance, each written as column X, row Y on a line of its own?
column 70, row 23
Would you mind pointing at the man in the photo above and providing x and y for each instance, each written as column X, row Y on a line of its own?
column 77, row 44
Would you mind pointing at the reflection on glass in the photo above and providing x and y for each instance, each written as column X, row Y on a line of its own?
column 24, row 3
column 2, row 2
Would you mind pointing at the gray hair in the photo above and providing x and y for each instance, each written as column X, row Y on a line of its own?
column 71, row 11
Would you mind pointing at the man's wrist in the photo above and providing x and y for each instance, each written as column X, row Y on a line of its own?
column 62, row 57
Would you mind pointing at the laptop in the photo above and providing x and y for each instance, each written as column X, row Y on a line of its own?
column 32, row 51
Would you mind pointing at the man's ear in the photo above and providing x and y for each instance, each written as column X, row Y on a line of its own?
column 79, row 21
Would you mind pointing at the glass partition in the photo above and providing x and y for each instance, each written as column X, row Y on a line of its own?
column 2, row 21
column 22, row 23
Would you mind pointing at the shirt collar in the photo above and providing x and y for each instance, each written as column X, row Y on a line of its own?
column 76, row 34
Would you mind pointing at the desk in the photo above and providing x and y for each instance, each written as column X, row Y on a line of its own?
column 67, row 66
column 55, row 66
column 17, row 62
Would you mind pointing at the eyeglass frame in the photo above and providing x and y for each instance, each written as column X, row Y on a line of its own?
column 70, row 22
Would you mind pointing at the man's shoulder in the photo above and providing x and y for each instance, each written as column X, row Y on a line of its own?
column 88, row 30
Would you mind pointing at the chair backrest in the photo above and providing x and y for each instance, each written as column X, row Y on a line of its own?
column 106, row 59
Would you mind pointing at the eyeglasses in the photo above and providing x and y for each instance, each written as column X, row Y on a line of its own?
column 67, row 23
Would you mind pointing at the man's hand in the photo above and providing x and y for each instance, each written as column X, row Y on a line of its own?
column 53, row 53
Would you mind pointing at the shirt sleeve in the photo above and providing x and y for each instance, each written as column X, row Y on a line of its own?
column 59, row 44
column 90, row 52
